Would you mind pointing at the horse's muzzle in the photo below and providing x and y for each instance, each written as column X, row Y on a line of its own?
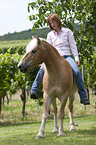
column 22, row 68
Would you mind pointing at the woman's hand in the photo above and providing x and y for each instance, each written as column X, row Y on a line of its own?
column 78, row 62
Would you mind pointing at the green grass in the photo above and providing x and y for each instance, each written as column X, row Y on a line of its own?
column 16, row 130
column 25, row 133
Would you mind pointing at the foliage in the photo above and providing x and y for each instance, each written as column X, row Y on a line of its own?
column 90, row 72
column 7, row 72
column 44, row 8
column 11, row 79
column 71, row 11
column 86, row 17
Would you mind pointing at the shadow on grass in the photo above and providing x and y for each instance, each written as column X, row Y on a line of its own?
column 92, row 131
column 4, row 124
column 17, row 124
column 78, row 133
column 82, row 116
column 24, row 123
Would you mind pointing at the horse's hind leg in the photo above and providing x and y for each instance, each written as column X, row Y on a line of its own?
column 71, row 99
column 62, row 115
column 55, row 116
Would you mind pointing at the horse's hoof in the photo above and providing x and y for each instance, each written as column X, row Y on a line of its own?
column 61, row 134
column 72, row 129
column 39, row 137
column 55, row 130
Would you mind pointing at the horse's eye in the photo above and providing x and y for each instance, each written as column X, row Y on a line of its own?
column 33, row 51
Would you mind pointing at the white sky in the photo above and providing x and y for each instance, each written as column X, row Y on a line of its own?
column 14, row 16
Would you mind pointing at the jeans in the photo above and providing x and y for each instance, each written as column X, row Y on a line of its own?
column 38, row 81
column 80, row 84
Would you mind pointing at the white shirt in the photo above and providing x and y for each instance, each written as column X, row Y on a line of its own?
column 64, row 42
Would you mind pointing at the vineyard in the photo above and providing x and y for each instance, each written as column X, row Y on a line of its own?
column 20, row 116
column 12, row 80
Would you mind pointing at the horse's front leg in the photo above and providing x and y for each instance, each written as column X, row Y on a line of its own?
column 47, row 102
column 55, row 116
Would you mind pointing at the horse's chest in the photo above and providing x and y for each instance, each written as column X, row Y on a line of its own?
column 54, row 90
column 56, row 85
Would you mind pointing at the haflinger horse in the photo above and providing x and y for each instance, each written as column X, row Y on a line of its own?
column 58, row 81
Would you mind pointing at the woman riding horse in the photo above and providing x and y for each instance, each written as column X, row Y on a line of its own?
column 63, row 40
column 58, row 81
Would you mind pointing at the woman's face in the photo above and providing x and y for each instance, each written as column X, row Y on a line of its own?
column 54, row 24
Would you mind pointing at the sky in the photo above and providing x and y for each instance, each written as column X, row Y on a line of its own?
column 14, row 16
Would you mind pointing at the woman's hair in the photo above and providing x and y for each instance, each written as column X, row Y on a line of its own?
column 55, row 18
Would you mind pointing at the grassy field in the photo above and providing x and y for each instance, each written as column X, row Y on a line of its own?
column 14, row 43
column 18, row 130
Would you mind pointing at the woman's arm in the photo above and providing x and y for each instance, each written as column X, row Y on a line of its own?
column 73, row 46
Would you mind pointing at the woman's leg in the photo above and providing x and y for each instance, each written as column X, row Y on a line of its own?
column 37, row 84
column 79, row 81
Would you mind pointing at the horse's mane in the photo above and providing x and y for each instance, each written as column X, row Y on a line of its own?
column 50, row 47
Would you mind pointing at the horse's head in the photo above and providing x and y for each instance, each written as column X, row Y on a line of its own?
column 34, row 55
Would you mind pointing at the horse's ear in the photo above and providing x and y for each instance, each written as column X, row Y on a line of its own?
column 39, row 41
column 33, row 37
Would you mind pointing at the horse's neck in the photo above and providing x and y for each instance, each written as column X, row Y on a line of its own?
column 53, row 58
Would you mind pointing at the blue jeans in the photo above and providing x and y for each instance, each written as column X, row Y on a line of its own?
column 80, row 84
column 37, row 82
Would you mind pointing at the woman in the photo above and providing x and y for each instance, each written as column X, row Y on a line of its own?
column 63, row 40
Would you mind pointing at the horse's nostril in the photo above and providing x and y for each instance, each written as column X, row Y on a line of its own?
column 19, row 66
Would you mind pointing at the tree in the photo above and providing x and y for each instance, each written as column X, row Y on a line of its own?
column 70, row 11
column 45, row 8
